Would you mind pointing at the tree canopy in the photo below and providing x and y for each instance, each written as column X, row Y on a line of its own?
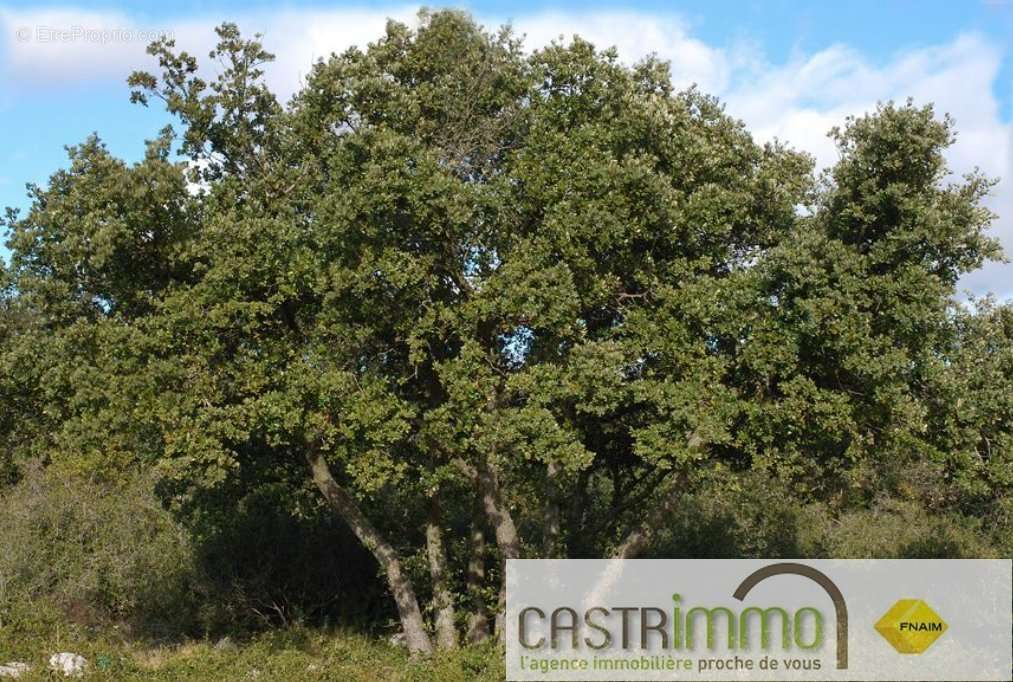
column 453, row 285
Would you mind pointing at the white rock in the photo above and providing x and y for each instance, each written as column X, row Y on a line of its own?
column 225, row 644
column 398, row 639
column 14, row 669
column 71, row 665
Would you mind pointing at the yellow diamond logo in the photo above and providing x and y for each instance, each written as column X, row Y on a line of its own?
column 911, row 626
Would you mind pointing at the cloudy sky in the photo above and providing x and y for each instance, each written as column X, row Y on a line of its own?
column 790, row 70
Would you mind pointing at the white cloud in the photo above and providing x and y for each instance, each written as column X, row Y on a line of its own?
column 798, row 101
column 300, row 38
column 635, row 35
column 63, row 46
column 45, row 48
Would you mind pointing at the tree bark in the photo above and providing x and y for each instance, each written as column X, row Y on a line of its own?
column 499, row 516
column 640, row 537
column 490, row 497
column 486, row 480
column 507, row 538
column 345, row 506
column 443, row 600
column 478, row 619
column 550, row 544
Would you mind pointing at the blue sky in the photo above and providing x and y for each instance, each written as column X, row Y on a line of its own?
column 791, row 70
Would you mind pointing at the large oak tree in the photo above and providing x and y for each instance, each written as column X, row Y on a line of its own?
column 454, row 284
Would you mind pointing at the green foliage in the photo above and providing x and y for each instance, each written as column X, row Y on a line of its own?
column 897, row 530
column 111, row 557
column 753, row 516
column 101, row 555
column 974, row 402
column 449, row 266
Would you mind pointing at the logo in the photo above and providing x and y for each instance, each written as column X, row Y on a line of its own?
column 911, row 626
column 687, row 628
column 821, row 579
column 716, row 619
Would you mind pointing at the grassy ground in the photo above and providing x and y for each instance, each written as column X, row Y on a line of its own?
column 294, row 654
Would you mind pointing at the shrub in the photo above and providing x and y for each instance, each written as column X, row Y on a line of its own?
column 105, row 553
column 895, row 529
column 755, row 516
column 267, row 566
column 101, row 553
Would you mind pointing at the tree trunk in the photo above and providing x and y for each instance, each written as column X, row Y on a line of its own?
column 550, row 544
column 576, row 542
column 400, row 586
column 640, row 537
column 478, row 619
column 443, row 600
column 501, row 609
column 499, row 516
column 507, row 538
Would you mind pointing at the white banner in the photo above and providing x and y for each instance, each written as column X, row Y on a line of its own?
column 748, row 619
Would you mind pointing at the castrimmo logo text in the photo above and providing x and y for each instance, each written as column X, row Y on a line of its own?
column 713, row 633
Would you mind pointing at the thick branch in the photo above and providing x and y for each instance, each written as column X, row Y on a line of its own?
column 400, row 585
column 550, row 544
column 478, row 619
column 640, row 537
column 443, row 600
column 496, row 511
column 486, row 480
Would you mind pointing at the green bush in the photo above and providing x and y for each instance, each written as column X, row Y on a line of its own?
column 756, row 517
column 894, row 529
column 105, row 554
column 267, row 567
column 99, row 552
column 729, row 518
